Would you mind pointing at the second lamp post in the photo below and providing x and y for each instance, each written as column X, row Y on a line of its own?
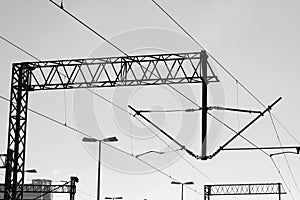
column 179, row 183
column 110, row 139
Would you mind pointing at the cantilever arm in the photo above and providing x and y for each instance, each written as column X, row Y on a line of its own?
column 241, row 131
column 165, row 133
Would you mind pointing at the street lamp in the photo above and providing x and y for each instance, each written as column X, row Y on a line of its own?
column 179, row 183
column 113, row 198
column 110, row 139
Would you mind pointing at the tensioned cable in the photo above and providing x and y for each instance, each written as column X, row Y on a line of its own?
column 278, row 170
column 113, row 147
column 287, row 162
column 113, row 46
column 184, row 31
column 98, row 35
column 64, row 124
column 19, row 48
column 203, row 174
column 231, row 129
column 238, row 106
column 230, row 74
column 95, row 32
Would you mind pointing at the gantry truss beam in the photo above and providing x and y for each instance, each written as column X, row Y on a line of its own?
column 139, row 70
column 243, row 189
column 43, row 189
column 33, row 188
column 118, row 71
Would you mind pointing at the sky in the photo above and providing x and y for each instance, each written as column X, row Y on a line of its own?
column 257, row 41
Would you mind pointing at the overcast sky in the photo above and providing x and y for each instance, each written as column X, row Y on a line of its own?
column 257, row 41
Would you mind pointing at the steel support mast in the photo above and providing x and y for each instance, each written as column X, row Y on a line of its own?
column 179, row 68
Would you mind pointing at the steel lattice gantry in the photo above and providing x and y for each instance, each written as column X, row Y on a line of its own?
column 243, row 189
column 159, row 69
column 45, row 189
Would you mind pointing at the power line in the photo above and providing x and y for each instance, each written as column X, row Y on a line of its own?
column 85, row 25
column 64, row 124
column 87, row 135
column 126, row 54
column 285, row 157
column 223, row 67
column 21, row 49
column 230, row 74
column 278, row 170
column 88, row 27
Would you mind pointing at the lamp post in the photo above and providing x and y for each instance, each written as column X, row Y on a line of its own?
column 113, row 198
column 110, row 139
column 185, row 183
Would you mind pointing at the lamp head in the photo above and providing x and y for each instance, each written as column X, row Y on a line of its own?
column 189, row 183
column 110, row 139
column 86, row 139
column 30, row 171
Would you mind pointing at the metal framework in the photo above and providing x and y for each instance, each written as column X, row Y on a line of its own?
column 243, row 189
column 159, row 69
column 45, row 189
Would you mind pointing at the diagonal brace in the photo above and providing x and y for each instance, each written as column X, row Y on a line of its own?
column 165, row 133
column 242, row 130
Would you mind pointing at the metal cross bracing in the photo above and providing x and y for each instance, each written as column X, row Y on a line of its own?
column 139, row 70
column 243, row 189
column 118, row 71
column 45, row 189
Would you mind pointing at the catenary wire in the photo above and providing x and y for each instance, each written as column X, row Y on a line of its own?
column 219, row 63
column 85, row 25
column 113, row 147
column 19, row 48
column 285, row 157
column 64, row 124
column 222, row 66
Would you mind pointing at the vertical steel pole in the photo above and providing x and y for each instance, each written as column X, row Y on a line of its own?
column 182, row 191
column 279, row 191
column 203, row 58
column 99, row 172
column 8, row 171
column 73, row 182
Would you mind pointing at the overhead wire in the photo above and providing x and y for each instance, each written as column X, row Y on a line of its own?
column 102, row 37
column 64, row 124
column 285, row 157
column 223, row 67
column 126, row 54
column 86, row 26
column 116, row 48
column 19, row 48
column 113, row 147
